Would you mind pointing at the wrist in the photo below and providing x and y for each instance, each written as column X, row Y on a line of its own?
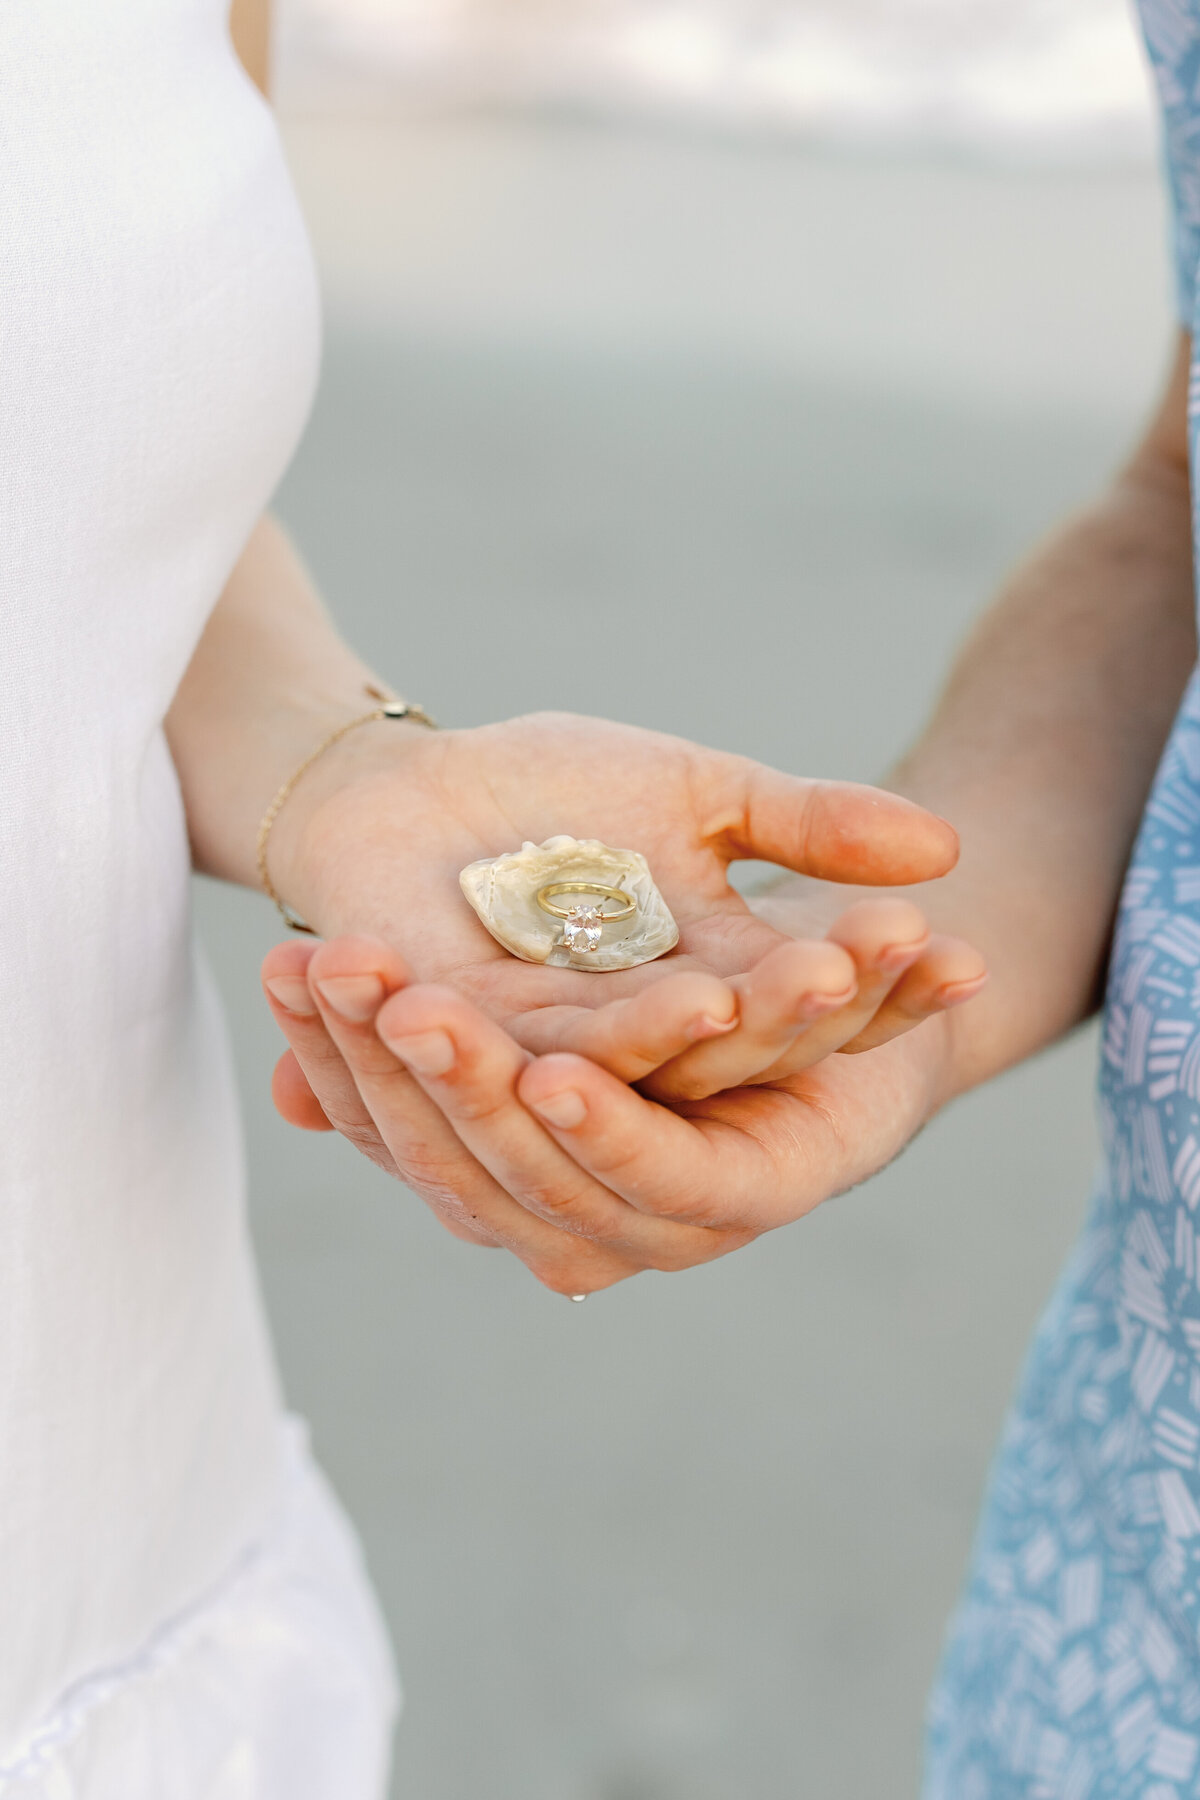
column 337, row 800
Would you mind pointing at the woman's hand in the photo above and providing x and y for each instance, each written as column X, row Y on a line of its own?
column 375, row 847
column 740, row 1000
column 373, row 840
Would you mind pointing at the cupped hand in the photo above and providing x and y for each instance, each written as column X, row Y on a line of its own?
column 373, row 842
column 442, row 1105
column 582, row 1177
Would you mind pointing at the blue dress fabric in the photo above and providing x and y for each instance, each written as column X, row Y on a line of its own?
column 1072, row 1669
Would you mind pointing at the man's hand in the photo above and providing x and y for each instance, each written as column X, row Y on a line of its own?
column 560, row 1162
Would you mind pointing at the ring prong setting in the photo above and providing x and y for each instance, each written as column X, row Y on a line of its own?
column 583, row 918
column 527, row 897
column 582, row 928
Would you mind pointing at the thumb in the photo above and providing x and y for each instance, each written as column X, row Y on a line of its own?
column 835, row 830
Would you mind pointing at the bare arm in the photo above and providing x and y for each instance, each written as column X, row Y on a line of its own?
column 268, row 680
column 1044, row 745
column 250, row 29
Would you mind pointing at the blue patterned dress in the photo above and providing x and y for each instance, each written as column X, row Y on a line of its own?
column 1072, row 1670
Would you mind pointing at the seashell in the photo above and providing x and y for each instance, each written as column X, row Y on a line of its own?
column 503, row 891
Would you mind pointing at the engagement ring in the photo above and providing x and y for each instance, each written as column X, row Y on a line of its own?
column 583, row 923
column 574, row 903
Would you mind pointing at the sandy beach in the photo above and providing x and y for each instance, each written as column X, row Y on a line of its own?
column 782, row 420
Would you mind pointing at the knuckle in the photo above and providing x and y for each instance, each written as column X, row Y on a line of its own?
column 481, row 1087
column 672, row 1259
column 691, row 990
column 368, row 1055
column 458, row 1219
column 475, row 1103
column 464, row 1233
column 364, row 1138
column 700, row 1249
column 431, row 1177
column 695, row 1206
column 558, row 1279
column 576, row 1271
column 550, row 1199
column 613, row 1161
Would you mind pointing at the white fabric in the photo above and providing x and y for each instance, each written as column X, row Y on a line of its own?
column 277, row 1682
column 158, row 351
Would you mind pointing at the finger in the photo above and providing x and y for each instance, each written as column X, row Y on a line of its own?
column 323, row 1067
column 949, row 973
column 421, row 1140
column 780, row 998
column 295, row 1010
column 294, row 1099
column 807, row 1009
column 736, row 1161
column 471, row 1068
column 837, row 830
column 630, row 1037
column 883, row 938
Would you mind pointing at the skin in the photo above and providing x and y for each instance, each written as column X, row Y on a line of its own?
column 600, row 1125
column 1042, row 749
column 759, row 1000
column 250, row 29
column 740, row 1000
column 270, row 678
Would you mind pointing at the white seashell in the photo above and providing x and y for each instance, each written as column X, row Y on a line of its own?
column 503, row 890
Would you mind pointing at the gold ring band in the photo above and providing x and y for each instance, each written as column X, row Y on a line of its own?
column 627, row 908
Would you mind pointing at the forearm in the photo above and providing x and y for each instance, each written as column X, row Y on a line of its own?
column 269, row 678
column 1042, row 752
column 1043, row 749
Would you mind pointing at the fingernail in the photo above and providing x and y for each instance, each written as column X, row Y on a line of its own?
column 955, row 992
column 565, row 1110
column 815, row 1006
column 708, row 1027
column 895, row 956
column 353, row 997
column 292, row 991
column 428, row 1052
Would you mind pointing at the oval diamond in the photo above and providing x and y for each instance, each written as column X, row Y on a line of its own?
column 581, row 929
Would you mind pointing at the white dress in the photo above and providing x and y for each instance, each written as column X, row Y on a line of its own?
column 183, row 1613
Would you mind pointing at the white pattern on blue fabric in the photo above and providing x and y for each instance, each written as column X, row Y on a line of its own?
column 1072, row 1670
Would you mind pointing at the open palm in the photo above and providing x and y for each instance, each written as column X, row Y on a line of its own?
column 378, row 850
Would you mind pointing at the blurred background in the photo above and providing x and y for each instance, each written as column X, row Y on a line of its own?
column 777, row 329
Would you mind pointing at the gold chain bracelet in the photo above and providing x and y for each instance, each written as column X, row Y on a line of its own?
column 387, row 709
